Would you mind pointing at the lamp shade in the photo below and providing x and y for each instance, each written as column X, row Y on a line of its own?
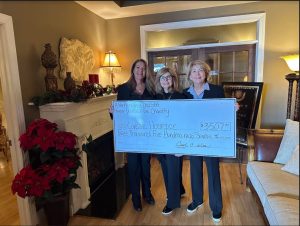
column 110, row 60
column 292, row 62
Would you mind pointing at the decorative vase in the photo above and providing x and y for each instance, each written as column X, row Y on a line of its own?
column 49, row 62
column 69, row 82
column 57, row 210
column 48, row 57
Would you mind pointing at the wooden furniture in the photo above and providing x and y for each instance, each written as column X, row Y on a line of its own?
column 4, row 142
column 261, row 139
column 291, row 78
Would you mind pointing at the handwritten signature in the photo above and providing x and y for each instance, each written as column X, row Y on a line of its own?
column 183, row 145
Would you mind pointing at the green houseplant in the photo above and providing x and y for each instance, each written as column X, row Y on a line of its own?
column 52, row 169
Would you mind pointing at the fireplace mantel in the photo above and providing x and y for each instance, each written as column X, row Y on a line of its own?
column 83, row 119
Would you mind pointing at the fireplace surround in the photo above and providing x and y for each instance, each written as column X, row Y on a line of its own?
column 83, row 119
column 100, row 159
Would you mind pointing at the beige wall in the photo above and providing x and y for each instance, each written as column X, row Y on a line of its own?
column 281, row 38
column 190, row 36
column 37, row 23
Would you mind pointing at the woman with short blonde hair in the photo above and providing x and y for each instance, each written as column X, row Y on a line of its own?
column 198, row 72
column 203, row 65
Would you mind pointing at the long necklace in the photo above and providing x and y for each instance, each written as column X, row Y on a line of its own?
column 139, row 90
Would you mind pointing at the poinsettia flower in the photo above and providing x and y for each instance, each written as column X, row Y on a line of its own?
column 26, row 142
column 54, row 156
column 40, row 186
column 28, row 183
column 70, row 163
column 57, row 172
column 65, row 140
column 45, row 140
column 40, row 123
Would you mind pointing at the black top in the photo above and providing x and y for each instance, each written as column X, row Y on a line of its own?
column 125, row 92
column 175, row 95
column 214, row 92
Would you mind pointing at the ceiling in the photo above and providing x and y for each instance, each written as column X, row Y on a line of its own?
column 121, row 9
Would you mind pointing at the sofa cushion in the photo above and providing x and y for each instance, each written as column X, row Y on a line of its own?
column 269, row 179
column 292, row 166
column 289, row 141
column 282, row 210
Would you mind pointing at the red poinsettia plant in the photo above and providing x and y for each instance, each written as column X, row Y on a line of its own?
column 53, row 162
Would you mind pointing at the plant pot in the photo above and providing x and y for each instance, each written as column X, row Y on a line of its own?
column 57, row 210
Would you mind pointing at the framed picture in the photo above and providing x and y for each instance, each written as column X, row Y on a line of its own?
column 248, row 95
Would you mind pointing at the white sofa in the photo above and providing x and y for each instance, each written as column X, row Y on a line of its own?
column 276, row 190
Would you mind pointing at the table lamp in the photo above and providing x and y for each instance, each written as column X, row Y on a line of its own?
column 111, row 64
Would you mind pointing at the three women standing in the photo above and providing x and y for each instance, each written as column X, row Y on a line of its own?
column 140, row 87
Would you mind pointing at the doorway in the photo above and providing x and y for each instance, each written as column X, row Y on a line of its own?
column 13, row 108
column 258, row 18
column 232, row 63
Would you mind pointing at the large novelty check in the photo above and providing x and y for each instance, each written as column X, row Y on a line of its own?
column 189, row 127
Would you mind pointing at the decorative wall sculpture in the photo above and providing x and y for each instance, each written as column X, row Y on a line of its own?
column 75, row 57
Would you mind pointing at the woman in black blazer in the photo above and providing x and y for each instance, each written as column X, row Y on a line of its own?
column 198, row 72
column 139, row 87
column 166, row 88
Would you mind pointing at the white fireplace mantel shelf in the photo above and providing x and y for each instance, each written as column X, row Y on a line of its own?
column 86, row 118
column 83, row 118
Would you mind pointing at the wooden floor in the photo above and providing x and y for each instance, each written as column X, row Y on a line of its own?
column 239, row 206
column 9, row 214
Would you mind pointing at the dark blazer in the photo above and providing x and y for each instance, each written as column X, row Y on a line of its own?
column 214, row 92
column 125, row 92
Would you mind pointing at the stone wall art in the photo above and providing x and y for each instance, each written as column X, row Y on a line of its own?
column 75, row 57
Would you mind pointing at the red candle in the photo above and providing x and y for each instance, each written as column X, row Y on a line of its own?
column 94, row 78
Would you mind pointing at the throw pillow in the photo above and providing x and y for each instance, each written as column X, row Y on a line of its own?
column 292, row 165
column 289, row 141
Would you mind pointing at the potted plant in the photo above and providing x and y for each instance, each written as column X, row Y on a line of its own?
column 52, row 169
